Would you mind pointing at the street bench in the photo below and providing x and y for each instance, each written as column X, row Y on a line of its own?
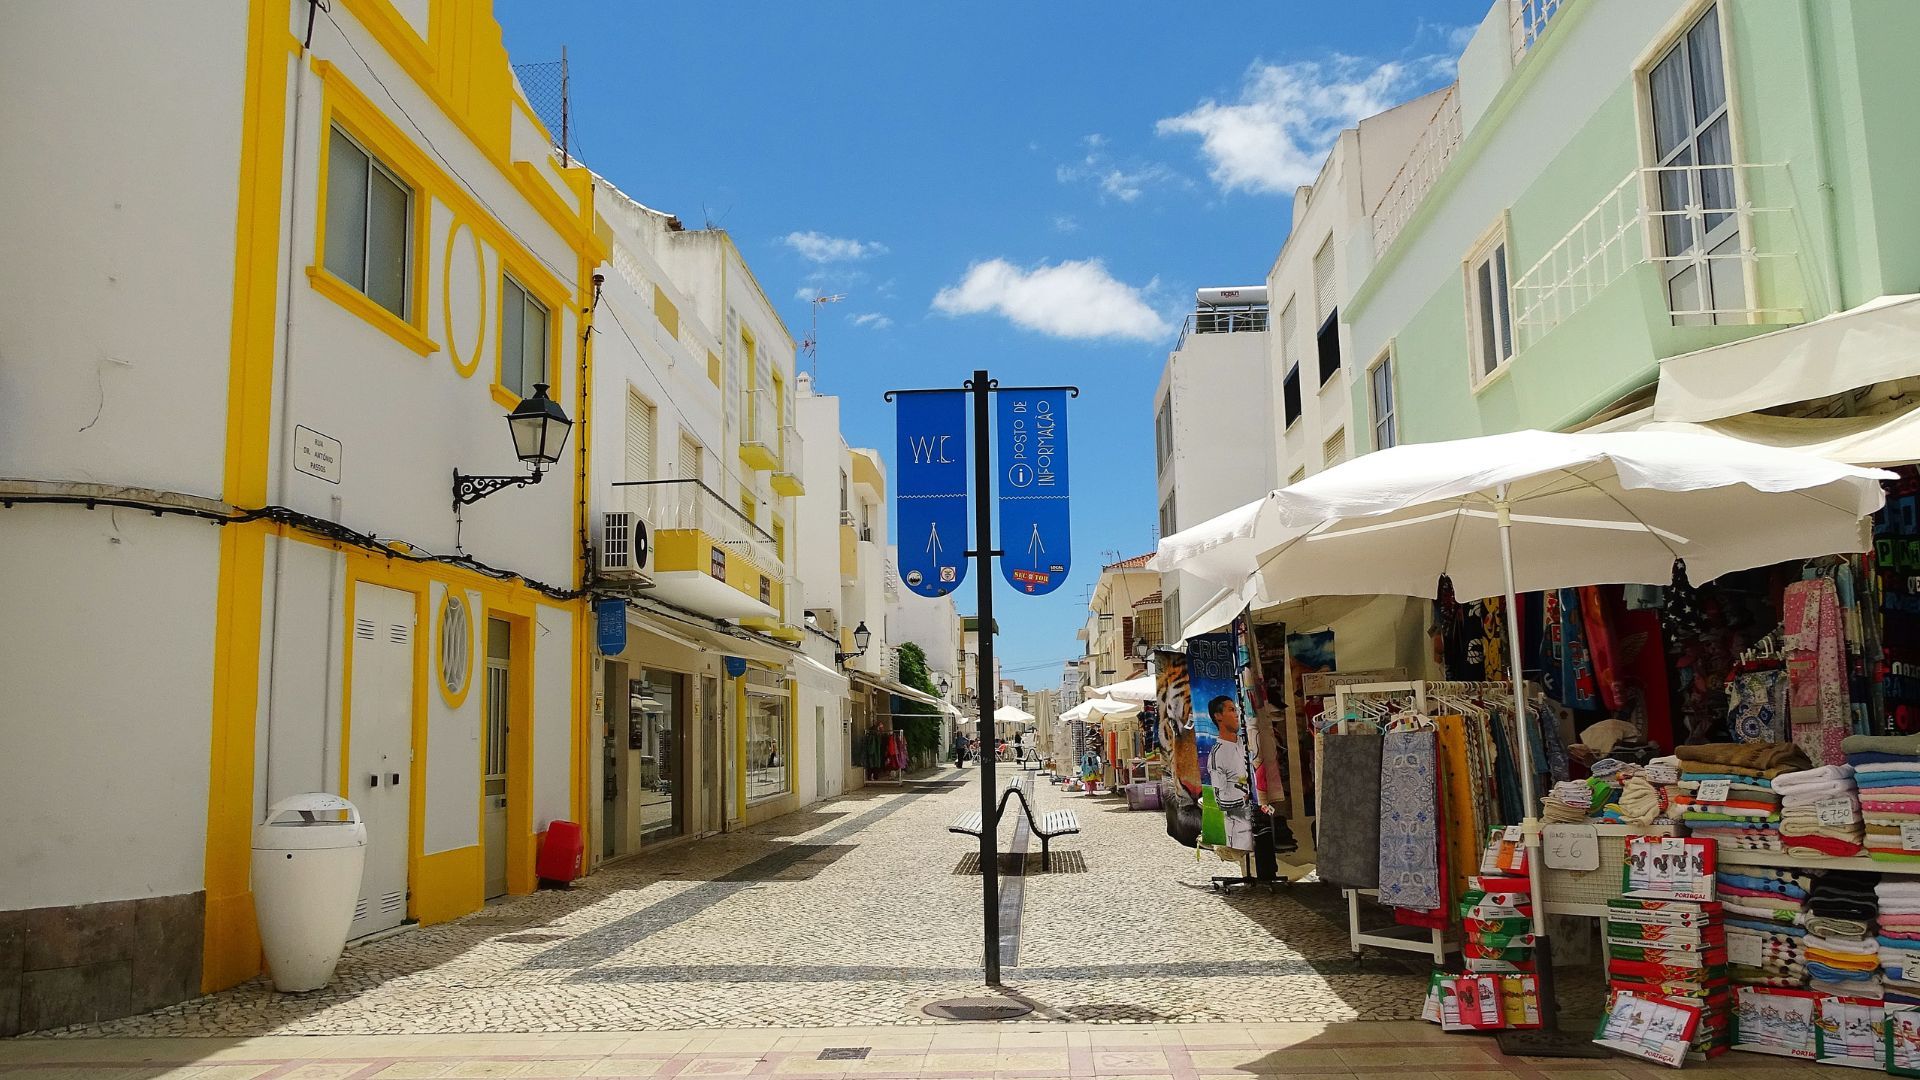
column 1053, row 823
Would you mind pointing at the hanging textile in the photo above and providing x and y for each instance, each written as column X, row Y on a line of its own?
column 1579, row 689
column 1458, row 637
column 1757, row 706
column 1493, row 639
column 1603, row 647
column 1409, row 826
column 1644, row 658
column 1816, row 670
column 1347, row 844
column 1463, row 822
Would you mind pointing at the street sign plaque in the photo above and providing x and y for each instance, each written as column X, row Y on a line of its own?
column 931, row 491
column 1034, row 535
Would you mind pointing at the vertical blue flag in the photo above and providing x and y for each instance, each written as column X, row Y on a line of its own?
column 1034, row 538
column 930, row 490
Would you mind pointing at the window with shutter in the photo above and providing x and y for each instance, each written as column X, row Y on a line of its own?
column 1334, row 450
column 640, row 435
column 1323, row 299
column 692, row 465
column 1289, row 330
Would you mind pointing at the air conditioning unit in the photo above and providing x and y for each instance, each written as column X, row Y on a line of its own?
column 626, row 548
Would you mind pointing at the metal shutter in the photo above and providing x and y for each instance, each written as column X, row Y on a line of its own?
column 640, row 425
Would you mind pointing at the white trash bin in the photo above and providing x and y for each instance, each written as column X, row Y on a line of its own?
column 306, row 881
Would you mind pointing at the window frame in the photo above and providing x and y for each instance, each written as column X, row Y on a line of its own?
column 1392, row 418
column 507, row 396
column 1291, row 402
column 1671, row 36
column 409, row 329
column 1497, row 238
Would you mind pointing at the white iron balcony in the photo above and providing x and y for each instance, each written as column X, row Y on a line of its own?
column 690, row 506
column 1250, row 319
column 1425, row 161
column 1721, row 257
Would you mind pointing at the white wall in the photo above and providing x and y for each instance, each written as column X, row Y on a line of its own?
column 1222, row 424
column 818, row 530
column 552, row 715
column 455, row 754
column 108, row 623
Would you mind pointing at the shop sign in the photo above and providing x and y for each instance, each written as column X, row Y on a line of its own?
column 1034, row 528
column 1323, row 683
column 610, row 622
column 930, row 504
column 1570, row 847
column 736, row 666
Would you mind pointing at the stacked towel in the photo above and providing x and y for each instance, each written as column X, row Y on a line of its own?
column 1765, row 911
column 1899, row 938
column 1570, row 801
column 1887, row 774
column 1820, row 812
column 1748, row 817
column 1842, row 948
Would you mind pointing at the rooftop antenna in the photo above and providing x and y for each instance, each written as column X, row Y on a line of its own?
column 811, row 346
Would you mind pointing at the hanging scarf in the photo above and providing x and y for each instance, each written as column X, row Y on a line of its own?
column 1816, row 669
column 1579, row 689
column 1409, row 821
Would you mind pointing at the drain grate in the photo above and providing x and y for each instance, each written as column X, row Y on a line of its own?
column 980, row 1008
column 845, row 1053
column 1064, row 862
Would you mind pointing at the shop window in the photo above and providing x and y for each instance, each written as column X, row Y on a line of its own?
column 523, row 338
column 1489, row 315
column 1380, row 401
column 369, row 226
column 768, row 739
column 1290, row 395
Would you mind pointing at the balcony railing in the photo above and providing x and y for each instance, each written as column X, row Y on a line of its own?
column 1425, row 161
column 1242, row 320
column 760, row 430
column 793, row 450
column 669, row 505
column 1698, row 224
column 1527, row 22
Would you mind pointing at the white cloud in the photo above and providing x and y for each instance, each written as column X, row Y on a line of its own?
column 872, row 319
column 1065, row 223
column 821, row 248
column 1274, row 137
column 1123, row 181
column 1069, row 300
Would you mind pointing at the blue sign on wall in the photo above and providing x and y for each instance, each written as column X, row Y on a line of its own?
column 1032, row 464
column 736, row 666
column 610, row 618
column 930, row 497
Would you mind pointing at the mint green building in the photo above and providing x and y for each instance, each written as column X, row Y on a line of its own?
column 1616, row 182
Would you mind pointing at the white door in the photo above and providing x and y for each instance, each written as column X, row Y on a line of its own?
column 380, row 733
column 493, row 777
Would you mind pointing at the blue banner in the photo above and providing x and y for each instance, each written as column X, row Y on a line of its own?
column 930, row 490
column 1034, row 538
column 610, row 619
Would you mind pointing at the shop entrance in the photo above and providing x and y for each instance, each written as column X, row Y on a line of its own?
column 656, row 709
column 493, row 770
column 380, row 749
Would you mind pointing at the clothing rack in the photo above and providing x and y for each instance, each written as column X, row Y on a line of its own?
column 1362, row 703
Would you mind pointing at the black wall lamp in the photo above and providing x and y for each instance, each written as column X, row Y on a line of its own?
column 540, row 428
column 861, row 636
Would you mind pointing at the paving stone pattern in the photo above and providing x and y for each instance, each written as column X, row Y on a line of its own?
column 849, row 912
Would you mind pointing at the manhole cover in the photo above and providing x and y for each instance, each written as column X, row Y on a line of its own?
column 983, row 1008
column 844, row 1053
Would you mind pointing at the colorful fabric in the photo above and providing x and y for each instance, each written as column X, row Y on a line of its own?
column 1409, row 821
column 1816, row 669
column 1757, row 706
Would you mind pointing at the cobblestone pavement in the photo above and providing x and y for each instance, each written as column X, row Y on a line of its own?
column 854, row 911
column 1298, row 1051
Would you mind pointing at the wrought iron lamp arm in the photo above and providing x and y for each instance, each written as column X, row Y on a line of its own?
column 471, row 489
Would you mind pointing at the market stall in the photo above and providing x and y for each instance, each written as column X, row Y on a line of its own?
column 1545, row 517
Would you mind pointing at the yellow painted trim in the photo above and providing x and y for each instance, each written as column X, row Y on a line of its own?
column 454, row 698
column 451, row 884
column 471, row 364
column 740, row 747
column 379, row 318
column 865, row 471
column 506, row 398
column 714, row 375
column 788, row 484
column 230, row 948
column 758, row 456
column 396, row 35
column 665, row 311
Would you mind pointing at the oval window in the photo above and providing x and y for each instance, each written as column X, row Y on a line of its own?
column 456, row 646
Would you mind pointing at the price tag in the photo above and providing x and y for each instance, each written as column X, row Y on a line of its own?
column 1838, row 810
column 1745, row 950
column 1910, row 836
column 1714, row 790
column 1572, row 847
column 1512, row 835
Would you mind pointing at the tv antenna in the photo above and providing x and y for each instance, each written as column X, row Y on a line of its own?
column 811, row 346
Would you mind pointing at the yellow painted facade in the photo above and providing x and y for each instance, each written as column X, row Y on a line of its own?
column 461, row 66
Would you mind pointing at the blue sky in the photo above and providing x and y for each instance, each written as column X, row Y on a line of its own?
column 1036, row 189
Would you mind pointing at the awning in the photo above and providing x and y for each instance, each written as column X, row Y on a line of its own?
column 879, row 682
column 1878, row 440
column 1140, row 689
column 1877, row 342
column 707, row 638
column 807, row 666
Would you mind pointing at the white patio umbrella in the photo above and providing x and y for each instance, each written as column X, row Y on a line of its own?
column 1530, row 511
column 1140, row 689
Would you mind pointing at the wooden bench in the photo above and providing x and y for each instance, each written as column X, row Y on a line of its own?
column 1052, row 824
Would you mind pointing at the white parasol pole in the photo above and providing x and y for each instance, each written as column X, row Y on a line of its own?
column 1530, row 821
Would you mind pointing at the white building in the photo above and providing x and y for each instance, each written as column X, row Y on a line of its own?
column 288, row 318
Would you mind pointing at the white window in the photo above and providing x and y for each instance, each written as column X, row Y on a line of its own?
column 1289, row 328
column 369, row 225
column 1334, row 450
column 1168, row 520
column 1323, row 299
column 1693, row 156
column 1163, row 431
column 1380, row 398
column 523, row 338
column 1489, row 318
column 641, row 418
